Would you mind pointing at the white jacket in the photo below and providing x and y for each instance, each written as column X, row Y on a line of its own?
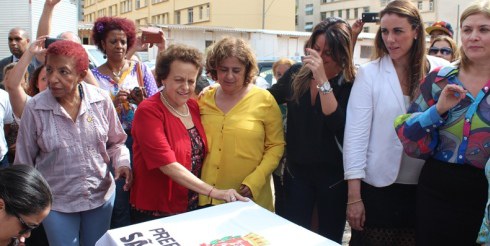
column 372, row 150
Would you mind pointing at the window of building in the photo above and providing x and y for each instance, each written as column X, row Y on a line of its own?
column 177, row 17
column 431, row 5
column 332, row 13
column 113, row 10
column 160, row 19
column 157, row 1
column 365, row 29
column 366, row 51
column 356, row 13
column 365, row 9
column 208, row 43
column 308, row 26
column 201, row 9
column 339, row 13
column 85, row 40
column 190, row 15
column 323, row 15
column 309, row 9
column 140, row 4
column 296, row 20
column 347, row 14
column 207, row 11
column 101, row 12
column 126, row 6
column 419, row 5
column 142, row 22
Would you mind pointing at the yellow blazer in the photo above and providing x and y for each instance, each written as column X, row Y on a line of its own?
column 245, row 144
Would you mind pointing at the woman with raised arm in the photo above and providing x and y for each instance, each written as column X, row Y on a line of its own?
column 449, row 126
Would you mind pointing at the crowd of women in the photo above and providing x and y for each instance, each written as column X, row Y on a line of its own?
column 402, row 161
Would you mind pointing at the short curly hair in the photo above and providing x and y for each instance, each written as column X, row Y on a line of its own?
column 177, row 52
column 232, row 47
column 72, row 50
column 104, row 25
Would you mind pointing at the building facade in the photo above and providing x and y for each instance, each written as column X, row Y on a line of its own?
column 254, row 14
column 310, row 12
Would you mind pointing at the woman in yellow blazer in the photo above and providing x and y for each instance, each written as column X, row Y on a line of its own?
column 243, row 126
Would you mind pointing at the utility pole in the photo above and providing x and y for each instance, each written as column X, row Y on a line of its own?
column 263, row 14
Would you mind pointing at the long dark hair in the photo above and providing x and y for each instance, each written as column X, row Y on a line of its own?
column 337, row 33
column 24, row 190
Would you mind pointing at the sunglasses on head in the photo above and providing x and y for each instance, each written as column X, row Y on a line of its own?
column 444, row 51
column 25, row 227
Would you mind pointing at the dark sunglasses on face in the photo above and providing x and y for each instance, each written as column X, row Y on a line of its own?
column 444, row 51
column 25, row 227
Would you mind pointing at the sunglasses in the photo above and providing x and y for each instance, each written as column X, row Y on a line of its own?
column 25, row 227
column 444, row 51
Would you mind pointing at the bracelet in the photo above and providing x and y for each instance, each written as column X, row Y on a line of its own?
column 350, row 203
column 209, row 194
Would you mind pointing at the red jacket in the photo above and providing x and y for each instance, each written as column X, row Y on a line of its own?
column 160, row 138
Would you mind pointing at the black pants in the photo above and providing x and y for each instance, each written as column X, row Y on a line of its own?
column 451, row 200
column 309, row 186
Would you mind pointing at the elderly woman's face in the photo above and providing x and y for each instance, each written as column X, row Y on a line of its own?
column 476, row 37
column 62, row 76
column 115, row 45
column 231, row 74
column 180, row 82
column 12, row 226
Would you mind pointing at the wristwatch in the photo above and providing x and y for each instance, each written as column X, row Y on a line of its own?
column 324, row 88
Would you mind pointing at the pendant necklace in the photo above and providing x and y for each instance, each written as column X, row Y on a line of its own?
column 183, row 115
column 117, row 76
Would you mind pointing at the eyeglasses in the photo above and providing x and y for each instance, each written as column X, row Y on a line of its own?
column 25, row 227
column 444, row 51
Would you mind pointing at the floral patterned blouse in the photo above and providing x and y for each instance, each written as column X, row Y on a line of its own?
column 128, row 81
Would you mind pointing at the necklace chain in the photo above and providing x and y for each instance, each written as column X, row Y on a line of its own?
column 162, row 97
column 117, row 76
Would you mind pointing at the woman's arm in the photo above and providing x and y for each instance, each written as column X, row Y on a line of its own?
column 184, row 177
column 26, row 145
column 356, row 140
column 13, row 85
column 418, row 129
column 273, row 150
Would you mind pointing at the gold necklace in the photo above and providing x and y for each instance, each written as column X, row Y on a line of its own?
column 183, row 115
column 117, row 76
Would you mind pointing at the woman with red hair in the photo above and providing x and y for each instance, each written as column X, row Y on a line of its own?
column 128, row 83
column 70, row 133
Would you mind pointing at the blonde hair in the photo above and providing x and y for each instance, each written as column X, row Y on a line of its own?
column 232, row 47
column 282, row 61
column 452, row 45
column 417, row 54
column 337, row 34
column 478, row 7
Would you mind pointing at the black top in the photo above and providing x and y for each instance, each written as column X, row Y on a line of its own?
column 311, row 136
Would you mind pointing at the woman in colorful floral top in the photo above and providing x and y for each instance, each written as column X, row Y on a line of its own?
column 128, row 83
column 450, row 128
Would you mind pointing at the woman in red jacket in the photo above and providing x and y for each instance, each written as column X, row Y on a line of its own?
column 170, row 144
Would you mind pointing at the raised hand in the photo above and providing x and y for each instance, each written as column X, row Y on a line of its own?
column 450, row 96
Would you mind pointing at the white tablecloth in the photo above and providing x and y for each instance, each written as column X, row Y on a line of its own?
column 229, row 222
